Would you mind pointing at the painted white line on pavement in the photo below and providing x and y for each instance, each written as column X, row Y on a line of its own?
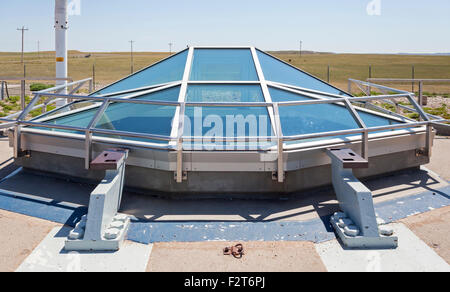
column 50, row 256
column 412, row 255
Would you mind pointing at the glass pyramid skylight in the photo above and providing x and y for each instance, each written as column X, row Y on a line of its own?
column 197, row 83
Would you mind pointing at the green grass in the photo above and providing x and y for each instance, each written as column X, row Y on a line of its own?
column 440, row 111
column 40, row 86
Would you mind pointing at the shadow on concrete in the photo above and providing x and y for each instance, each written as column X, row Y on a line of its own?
column 6, row 168
column 407, row 180
column 319, row 203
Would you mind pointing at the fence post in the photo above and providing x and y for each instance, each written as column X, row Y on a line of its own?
column 422, row 101
column 328, row 74
column 93, row 75
column 2, row 93
column 370, row 76
column 413, row 72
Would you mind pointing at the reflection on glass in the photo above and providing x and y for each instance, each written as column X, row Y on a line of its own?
column 224, row 93
column 139, row 118
column 169, row 70
column 227, row 122
column 307, row 119
column 223, row 65
column 277, row 71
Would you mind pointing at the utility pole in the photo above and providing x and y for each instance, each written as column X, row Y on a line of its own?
column 23, row 29
column 132, row 61
column 61, row 55
column 170, row 48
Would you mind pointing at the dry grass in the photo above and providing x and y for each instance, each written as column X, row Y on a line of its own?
column 113, row 66
column 110, row 67
column 344, row 66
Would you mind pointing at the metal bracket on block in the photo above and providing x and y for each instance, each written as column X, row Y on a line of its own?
column 184, row 176
column 103, row 229
column 357, row 225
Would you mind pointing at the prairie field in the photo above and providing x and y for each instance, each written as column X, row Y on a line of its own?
column 110, row 67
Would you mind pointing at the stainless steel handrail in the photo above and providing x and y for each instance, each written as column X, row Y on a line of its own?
column 106, row 101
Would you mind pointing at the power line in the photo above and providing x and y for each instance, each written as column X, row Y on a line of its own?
column 23, row 29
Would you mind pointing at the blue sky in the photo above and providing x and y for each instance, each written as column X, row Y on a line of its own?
column 412, row 26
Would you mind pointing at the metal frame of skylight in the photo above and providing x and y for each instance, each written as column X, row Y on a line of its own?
column 176, row 138
column 137, row 72
column 280, row 145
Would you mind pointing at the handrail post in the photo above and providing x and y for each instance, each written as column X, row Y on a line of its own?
column 280, row 142
column 90, row 85
column 88, row 133
column 429, row 140
column 421, row 101
column 179, row 145
column 365, row 145
column 17, row 140
column 361, row 124
column 88, row 149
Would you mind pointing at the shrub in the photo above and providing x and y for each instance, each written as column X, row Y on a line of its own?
column 14, row 99
column 414, row 116
column 40, row 86
column 7, row 107
column 35, row 113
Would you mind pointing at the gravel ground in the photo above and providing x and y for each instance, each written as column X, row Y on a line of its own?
column 437, row 101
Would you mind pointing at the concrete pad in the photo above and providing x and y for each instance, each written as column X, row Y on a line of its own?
column 440, row 159
column 50, row 256
column 259, row 257
column 19, row 236
column 434, row 229
column 412, row 255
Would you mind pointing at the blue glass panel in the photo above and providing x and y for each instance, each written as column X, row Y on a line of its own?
column 139, row 118
column 80, row 119
column 227, row 122
column 171, row 94
column 224, row 93
column 169, row 70
column 276, row 71
column 372, row 120
column 223, row 65
column 309, row 119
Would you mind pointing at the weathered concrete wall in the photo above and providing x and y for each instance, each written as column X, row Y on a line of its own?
column 216, row 184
